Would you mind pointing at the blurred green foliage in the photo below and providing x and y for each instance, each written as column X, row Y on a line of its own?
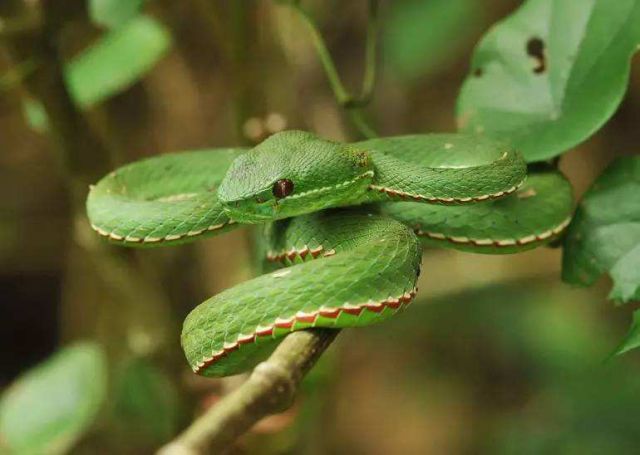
column 35, row 115
column 117, row 60
column 420, row 36
column 114, row 63
column 529, row 362
column 113, row 13
column 50, row 407
column 146, row 408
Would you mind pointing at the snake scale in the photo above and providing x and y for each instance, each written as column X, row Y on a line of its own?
column 343, row 225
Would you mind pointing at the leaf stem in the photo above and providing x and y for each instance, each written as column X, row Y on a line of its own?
column 371, row 52
column 357, row 118
column 351, row 103
column 341, row 94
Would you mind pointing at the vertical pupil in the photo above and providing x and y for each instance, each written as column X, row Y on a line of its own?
column 282, row 188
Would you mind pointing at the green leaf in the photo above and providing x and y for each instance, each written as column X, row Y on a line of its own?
column 48, row 408
column 146, row 403
column 551, row 74
column 110, row 66
column 421, row 35
column 116, row 61
column 113, row 13
column 605, row 233
column 632, row 340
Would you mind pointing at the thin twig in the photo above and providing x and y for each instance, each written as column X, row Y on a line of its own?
column 271, row 388
column 351, row 103
column 357, row 118
column 342, row 95
column 371, row 53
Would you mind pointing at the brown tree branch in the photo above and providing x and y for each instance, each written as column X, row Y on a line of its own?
column 271, row 388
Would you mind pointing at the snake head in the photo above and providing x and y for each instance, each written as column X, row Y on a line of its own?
column 292, row 173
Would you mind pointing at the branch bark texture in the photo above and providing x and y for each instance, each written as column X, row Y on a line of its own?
column 271, row 388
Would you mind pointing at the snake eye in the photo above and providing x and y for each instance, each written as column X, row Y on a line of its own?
column 282, row 188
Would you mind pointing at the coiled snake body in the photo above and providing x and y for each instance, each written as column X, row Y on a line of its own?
column 334, row 266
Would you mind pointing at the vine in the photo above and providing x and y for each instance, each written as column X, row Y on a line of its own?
column 351, row 103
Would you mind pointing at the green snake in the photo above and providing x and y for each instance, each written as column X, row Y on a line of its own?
column 343, row 225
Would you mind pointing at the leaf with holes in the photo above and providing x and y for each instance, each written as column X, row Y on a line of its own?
column 551, row 74
column 113, row 13
column 605, row 233
column 47, row 409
